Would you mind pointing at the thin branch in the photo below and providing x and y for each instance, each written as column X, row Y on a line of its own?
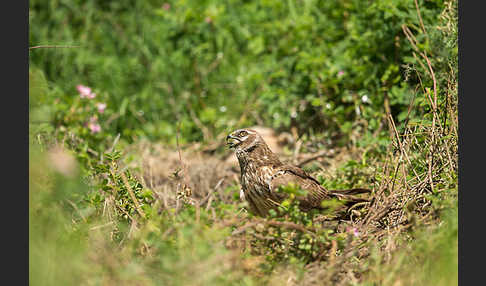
column 132, row 195
column 52, row 47
column 420, row 18
column 314, row 157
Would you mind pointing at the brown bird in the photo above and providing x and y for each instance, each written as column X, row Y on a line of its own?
column 262, row 173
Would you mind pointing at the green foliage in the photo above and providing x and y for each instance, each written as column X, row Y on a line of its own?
column 72, row 243
column 316, row 65
column 52, row 235
column 429, row 257
column 292, row 190
column 84, row 118
column 352, row 174
column 330, row 68
column 40, row 111
column 121, row 184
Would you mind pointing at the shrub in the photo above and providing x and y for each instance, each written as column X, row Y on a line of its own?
column 212, row 66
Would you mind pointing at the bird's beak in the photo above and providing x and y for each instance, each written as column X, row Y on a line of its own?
column 232, row 141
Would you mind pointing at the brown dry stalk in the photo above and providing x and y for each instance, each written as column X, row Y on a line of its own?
column 183, row 166
column 313, row 157
column 332, row 252
column 402, row 150
column 132, row 195
column 243, row 228
column 420, row 17
column 433, row 102
column 435, row 115
column 125, row 212
column 51, row 46
column 209, row 197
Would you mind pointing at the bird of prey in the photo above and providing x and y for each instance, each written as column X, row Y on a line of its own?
column 262, row 173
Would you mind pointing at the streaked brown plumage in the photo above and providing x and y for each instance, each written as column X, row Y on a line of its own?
column 262, row 173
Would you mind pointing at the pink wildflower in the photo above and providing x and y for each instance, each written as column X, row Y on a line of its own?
column 166, row 6
column 101, row 107
column 353, row 231
column 208, row 20
column 340, row 73
column 85, row 92
column 94, row 127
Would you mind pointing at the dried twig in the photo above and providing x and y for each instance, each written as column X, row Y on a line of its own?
column 132, row 195
column 314, row 157
column 203, row 201
column 420, row 18
column 51, row 46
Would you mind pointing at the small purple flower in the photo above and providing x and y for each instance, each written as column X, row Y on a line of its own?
column 101, row 107
column 353, row 231
column 94, row 127
column 340, row 73
column 85, row 91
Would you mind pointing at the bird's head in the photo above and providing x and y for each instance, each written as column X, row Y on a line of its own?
column 243, row 139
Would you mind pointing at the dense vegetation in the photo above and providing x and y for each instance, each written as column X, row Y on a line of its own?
column 130, row 100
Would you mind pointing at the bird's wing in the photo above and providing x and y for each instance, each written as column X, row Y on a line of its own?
column 287, row 174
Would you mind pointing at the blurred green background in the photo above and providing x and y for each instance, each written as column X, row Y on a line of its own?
column 213, row 66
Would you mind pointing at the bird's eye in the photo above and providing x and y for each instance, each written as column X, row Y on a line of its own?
column 243, row 133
